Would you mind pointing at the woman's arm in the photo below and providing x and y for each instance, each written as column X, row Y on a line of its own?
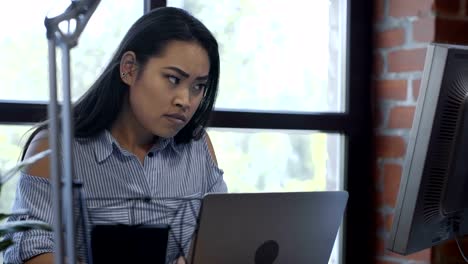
column 214, row 175
column 46, row 258
column 211, row 149
column 39, row 143
column 33, row 186
column 40, row 169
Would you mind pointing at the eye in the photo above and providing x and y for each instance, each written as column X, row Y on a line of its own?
column 199, row 87
column 173, row 79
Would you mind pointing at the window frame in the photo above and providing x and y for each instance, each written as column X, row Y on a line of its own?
column 356, row 124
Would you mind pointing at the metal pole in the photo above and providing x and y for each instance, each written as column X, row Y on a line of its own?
column 79, row 11
column 54, row 160
column 67, row 143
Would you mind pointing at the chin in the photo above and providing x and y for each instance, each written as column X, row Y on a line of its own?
column 166, row 133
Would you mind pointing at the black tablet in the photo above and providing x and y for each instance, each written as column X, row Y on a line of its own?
column 129, row 243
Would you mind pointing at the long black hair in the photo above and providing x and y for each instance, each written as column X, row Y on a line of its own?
column 99, row 107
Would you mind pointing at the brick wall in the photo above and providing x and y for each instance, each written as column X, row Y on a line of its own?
column 402, row 30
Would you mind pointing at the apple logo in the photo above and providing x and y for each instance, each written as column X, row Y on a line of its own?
column 267, row 252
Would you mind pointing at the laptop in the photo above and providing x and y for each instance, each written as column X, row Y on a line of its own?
column 267, row 228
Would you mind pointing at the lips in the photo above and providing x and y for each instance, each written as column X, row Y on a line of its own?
column 179, row 118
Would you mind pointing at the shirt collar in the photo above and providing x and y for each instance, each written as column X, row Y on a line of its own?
column 106, row 144
column 164, row 143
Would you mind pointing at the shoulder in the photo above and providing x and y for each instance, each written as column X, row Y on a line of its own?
column 39, row 143
column 210, row 148
column 200, row 147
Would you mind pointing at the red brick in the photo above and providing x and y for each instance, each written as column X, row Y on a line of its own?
column 379, row 9
column 424, row 29
column 377, row 175
column 401, row 117
column 388, row 222
column 404, row 8
column 383, row 251
column 416, row 88
column 451, row 31
column 378, row 64
column 447, row 7
column 392, row 176
column 380, row 220
column 380, row 246
column 391, row 89
column 390, row 146
column 389, row 38
column 406, row 60
column 378, row 117
column 380, row 200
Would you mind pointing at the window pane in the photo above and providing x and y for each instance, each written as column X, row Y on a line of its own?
column 280, row 161
column 277, row 55
column 24, row 72
column 12, row 139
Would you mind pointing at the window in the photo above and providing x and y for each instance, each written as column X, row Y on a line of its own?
column 341, row 122
column 278, row 58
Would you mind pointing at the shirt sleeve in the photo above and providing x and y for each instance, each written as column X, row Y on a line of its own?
column 34, row 195
column 215, row 180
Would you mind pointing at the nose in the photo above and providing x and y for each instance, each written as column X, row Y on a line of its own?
column 182, row 98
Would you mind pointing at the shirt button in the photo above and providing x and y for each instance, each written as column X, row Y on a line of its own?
column 151, row 154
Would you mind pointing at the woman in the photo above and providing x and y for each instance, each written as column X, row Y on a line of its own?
column 139, row 132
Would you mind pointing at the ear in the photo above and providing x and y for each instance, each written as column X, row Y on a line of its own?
column 128, row 68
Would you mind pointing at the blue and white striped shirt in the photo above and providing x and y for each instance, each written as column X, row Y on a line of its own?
column 173, row 179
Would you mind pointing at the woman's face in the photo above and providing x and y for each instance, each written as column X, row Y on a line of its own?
column 169, row 90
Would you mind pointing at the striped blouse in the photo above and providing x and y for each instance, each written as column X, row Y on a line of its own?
column 165, row 189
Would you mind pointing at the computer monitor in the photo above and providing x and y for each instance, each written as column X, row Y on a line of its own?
column 432, row 204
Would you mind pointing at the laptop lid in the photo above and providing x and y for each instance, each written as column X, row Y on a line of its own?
column 266, row 228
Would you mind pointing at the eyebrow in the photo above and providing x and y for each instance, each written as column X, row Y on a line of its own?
column 184, row 74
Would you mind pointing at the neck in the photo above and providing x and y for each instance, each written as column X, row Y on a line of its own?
column 130, row 134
